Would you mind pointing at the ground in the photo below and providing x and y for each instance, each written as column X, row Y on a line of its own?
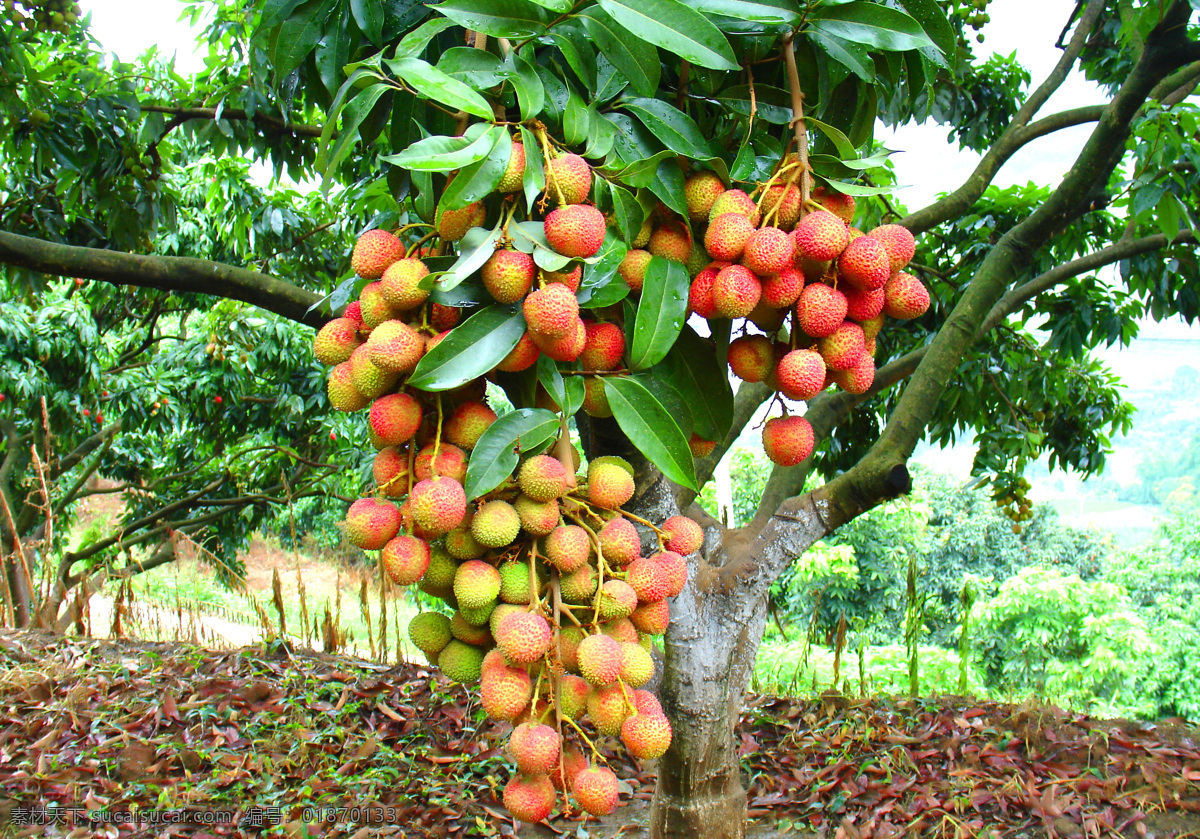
column 112, row 726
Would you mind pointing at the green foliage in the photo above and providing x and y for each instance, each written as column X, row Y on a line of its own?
column 1072, row 642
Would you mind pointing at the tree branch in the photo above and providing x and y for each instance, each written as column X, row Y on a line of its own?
column 166, row 273
column 264, row 120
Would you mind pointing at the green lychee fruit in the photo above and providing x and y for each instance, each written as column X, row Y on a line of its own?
column 734, row 201
column 537, row 517
column 343, row 395
column 514, row 175
column 637, row 666
column 496, row 524
column 608, row 707
column 700, row 191
column 617, row 599
column 369, row 378
column 461, row 662
column 542, row 478
column 470, row 626
column 467, row 424
column 476, row 584
column 579, row 585
column 572, row 696
column 374, row 309
column 430, row 632
column 514, row 582
column 452, row 225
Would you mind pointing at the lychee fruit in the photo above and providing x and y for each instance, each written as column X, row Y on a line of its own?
column 652, row 618
column 646, row 736
column 343, row 395
column 700, row 191
column 374, row 251
column 395, row 346
column 781, row 205
column 476, row 584
column 859, row 378
column 514, row 582
column 734, row 201
column 673, row 569
column 523, row 637
column 608, row 708
column 637, row 665
column 727, row 236
column 572, row 696
column 521, row 357
column 838, row 203
column 451, row 462
column 603, row 348
column 863, row 305
column 768, row 251
column 508, row 275
column 430, row 632
column 865, row 264
column 700, row 293
column 405, row 558
column 537, row 517
column 842, row 349
column 736, row 290
column 535, row 747
column 568, row 179
column 514, row 175
column 898, row 242
column 374, row 309
column 395, row 418
column 905, row 297
column 566, row 348
column 542, row 478
column 467, row 423
column 820, row 236
column 461, row 662
column 701, row 447
column 504, row 691
column 567, row 547
column 751, row 357
column 801, row 374
column 400, row 284
column 609, row 486
column 619, row 542
column 617, row 599
column 685, row 536
column 596, row 789
column 575, row 230
column 821, row 309
column 438, row 504
column 371, row 523
column 599, row 659
column 670, row 240
column 452, row 225
column 648, row 579
column 782, row 289
column 390, row 470
column 530, row 798
column 495, row 524
column 787, row 440
column 336, row 341
column 369, row 378
column 551, row 311
column 579, row 585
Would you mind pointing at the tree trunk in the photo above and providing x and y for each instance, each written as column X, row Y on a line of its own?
column 710, row 648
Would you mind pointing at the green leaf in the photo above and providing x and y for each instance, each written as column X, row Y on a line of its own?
column 414, row 43
column 658, row 382
column 477, row 68
column 633, row 57
column 660, row 312
column 602, row 138
column 668, row 185
column 856, row 189
column 676, row 28
column 771, row 104
column 479, row 179
column 444, row 154
column 1170, row 214
column 675, row 129
column 847, row 53
column 759, row 11
column 651, row 428
column 931, row 17
column 840, row 141
column 534, row 180
column 869, row 24
column 495, row 454
column 560, row 6
column 602, row 285
column 566, row 391
column 369, row 17
column 498, row 18
column 356, row 110
column 572, row 41
column 576, row 120
column 699, row 375
column 474, row 250
column 471, row 349
column 298, row 36
column 433, row 84
column 531, row 93
column 530, row 237
column 628, row 212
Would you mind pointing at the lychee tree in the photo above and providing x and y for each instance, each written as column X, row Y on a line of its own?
column 603, row 210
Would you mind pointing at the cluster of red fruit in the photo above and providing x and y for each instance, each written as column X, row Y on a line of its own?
column 771, row 259
column 552, row 605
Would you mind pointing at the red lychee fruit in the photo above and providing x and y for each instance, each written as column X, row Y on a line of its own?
column 734, row 201
column 700, row 294
column 670, row 240
column 390, row 470
column 859, row 378
column 783, row 289
column 438, row 504
column 400, row 285
column 727, row 235
column 865, row 264
column 395, row 346
column 652, row 618
column 599, row 659
column 801, row 374
column 503, row 691
column 840, row 204
column 371, row 523
column 354, row 312
column 685, row 536
column 452, row 225
column 575, row 230
column 508, row 275
column 451, row 462
column 596, row 789
column 566, row 348
column 701, row 447
column 842, row 349
column 551, row 311
column 768, row 251
column 905, row 297
column 609, row 485
column 603, row 348
column 821, row 309
column 570, row 279
column 787, row 440
column 619, row 542
column 567, row 547
column 568, row 179
column 523, row 356
column 374, row 309
column 736, row 290
column 395, row 418
column 542, row 478
column 820, row 236
column 405, row 558
column 336, row 341
column 374, row 251
column 530, row 798
column 523, row 637
column 783, row 201
column 898, row 242
column 535, row 747
column 751, row 357
column 573, row 762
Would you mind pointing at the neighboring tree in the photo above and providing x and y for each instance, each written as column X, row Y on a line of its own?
column 91, row 155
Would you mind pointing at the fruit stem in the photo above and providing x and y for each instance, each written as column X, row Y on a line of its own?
column 798, row 126
column 562, row 451
column 437, row 440
column 416, row 246
column 551, row 178
column 641, row 520
column 412, row 457
column 535, row 596
column 595, row 752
